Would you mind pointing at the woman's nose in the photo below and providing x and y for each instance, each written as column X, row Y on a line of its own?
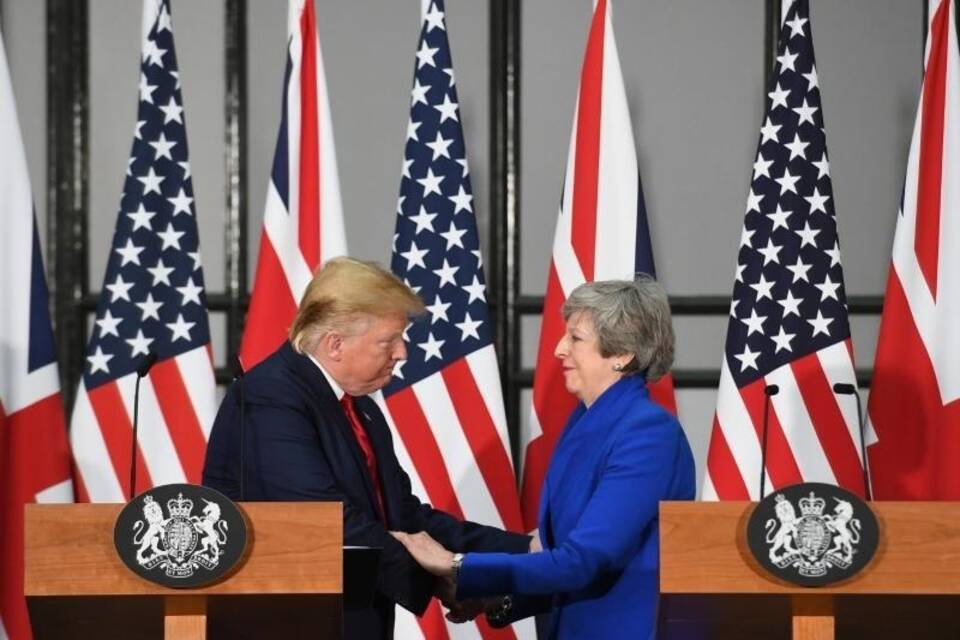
column 561, row 349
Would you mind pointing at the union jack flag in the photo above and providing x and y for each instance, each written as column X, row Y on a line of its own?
column 444, row 404
column 601, row 234
column 152, row 301
column 788, row 321
column 34, row 456
column 303, row 216
column 915, row 397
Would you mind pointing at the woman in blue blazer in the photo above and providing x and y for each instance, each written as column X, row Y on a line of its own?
column 618, row 456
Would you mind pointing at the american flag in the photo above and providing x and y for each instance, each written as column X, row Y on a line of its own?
column 303, row 216
column 152, row 301
column 601, row 234
column 788, row 319
column 34, row 456
column 445, row 403
column 915, row 396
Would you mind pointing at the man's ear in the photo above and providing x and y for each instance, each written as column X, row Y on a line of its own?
column 331, row 345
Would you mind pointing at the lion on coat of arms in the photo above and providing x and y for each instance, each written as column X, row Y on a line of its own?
column 782, row 537
column 149, row 539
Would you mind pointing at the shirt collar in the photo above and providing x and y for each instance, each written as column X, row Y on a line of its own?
column 337, row 389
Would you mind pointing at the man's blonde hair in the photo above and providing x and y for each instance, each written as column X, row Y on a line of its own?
column 343, row 295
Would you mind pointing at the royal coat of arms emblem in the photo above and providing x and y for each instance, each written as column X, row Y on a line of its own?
column 812, row 534
column 172, row 542
column 185, row 543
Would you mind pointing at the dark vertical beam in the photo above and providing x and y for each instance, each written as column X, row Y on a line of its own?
column 923, row 31
column 235, row 105
column 504, row 271
column 772, row 18
column 67, row 182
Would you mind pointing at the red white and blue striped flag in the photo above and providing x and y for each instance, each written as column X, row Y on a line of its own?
column 34, row 456
column 601, row 234
column 788, row 321
column 444, row 404
column 152, row 301
column 303, row 216
column 915, row 396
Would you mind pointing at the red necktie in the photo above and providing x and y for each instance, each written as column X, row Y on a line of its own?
column 364, row 441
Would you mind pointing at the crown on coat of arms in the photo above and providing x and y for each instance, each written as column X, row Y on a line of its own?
column 181, row 506
column 812, row 506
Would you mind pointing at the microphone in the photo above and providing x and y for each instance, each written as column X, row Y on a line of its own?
column 238, row 374
column 145, row 365
column 847, row 389
column 768, row 391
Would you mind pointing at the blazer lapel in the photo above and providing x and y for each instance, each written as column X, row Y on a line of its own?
column 372, row 417
column 332, row 412
column 555, row 468
column 543, row 517
column 582, row 422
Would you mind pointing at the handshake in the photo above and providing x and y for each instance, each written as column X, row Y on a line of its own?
column 434, row 558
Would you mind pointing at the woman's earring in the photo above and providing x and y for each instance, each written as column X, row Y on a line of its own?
column 618, row 367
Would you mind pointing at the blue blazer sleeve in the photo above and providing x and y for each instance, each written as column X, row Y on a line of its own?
column 636, row 473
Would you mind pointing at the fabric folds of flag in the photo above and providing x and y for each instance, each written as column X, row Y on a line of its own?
column 914, row 405
column 601, row 234
column 34, row 456
column 152, row 301
column 788, row 320
column 444, row 404
column 303, row 215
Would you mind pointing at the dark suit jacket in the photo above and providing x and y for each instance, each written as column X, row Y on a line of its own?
column 299, row 446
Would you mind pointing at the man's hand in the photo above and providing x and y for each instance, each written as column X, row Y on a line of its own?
column 446, row 590
column 460, row 610
column 429, row 554
column 535, row 546
column 467, row 610
column 432, row 556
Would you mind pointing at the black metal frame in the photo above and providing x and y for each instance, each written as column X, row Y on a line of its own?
column 68, row 200
column 68, row 196
column 504, row 277
column 235, row 242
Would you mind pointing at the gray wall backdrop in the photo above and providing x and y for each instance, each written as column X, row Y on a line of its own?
column 694, row 72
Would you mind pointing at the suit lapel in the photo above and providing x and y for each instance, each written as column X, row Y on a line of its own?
column 376, row 426
column 332, row 412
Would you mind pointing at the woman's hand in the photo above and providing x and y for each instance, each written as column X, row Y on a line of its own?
column 429, row 554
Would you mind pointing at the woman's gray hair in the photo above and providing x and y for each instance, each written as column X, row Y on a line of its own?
column 628, row 317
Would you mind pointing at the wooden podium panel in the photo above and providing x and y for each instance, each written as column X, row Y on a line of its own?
column 289, row 582
column 712, row 587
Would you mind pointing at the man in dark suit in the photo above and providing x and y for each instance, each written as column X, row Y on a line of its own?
column 312, row 434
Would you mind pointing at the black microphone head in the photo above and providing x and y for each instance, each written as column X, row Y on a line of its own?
column 771, row 389
column 146, row 364
column 844, row 388
column 238, row 371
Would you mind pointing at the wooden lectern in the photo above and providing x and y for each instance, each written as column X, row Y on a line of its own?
column 711, row 587
column 289, row 584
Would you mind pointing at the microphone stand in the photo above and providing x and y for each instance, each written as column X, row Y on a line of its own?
column 847, row 389
column 768, row 391
column 148, row 361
